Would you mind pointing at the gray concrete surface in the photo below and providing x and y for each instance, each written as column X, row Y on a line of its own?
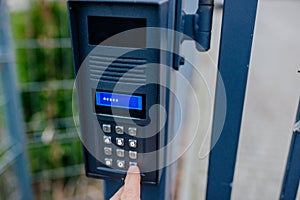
column 271, row 101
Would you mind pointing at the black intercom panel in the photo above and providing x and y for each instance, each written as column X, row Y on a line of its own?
column 120, row 78
column 117, row 86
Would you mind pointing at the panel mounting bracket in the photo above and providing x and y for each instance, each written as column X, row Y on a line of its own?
column 197, row 27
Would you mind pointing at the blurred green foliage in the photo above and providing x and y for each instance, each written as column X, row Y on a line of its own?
column 39, row 33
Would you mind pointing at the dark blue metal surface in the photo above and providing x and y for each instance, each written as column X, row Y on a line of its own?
column 292, row 173
column 234, row 57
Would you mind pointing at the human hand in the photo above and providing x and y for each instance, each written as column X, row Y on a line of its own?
column 131, row 189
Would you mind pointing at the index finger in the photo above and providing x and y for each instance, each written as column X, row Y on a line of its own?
column 132, row 185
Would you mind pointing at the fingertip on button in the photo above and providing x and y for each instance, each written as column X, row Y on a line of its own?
column 133, row 169
column 131, row 164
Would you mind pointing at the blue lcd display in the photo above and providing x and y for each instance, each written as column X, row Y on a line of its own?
column 119, row 100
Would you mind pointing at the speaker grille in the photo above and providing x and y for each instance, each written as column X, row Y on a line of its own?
column 121, row 70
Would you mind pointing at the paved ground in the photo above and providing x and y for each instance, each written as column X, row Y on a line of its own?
column 272, row 96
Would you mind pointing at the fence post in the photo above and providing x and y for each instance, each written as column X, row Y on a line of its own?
column 13, row 110
column 234, row 58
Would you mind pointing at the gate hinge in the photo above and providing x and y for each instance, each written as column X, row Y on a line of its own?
column 198, row 26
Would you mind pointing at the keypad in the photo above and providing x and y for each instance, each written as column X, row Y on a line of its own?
column 120, row 145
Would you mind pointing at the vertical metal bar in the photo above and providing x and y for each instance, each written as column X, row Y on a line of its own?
column 14, row 118
column 234, row 57
column 292, row 173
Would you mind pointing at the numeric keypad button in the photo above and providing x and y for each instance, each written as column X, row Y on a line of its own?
column 106, row 128
column 108, row 151
column 120, row 142
column 132, row 131
column 120, row 153
column 133, row 155
column 132, row 143
column 108, row 162
column 107, row 139
column 132, row 164
column 120, row 130
column 121, row 163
